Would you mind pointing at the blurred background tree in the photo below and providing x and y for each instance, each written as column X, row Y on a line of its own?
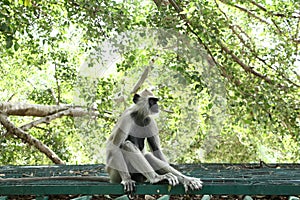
column 253, row 44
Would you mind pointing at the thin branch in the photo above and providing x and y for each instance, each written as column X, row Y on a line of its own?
column 234, row 57
column 24, row 109
column 141, row 80
column 36, row 110
column 243, row 65
column 167, row 111
column 253, row 15
column 56, row 178
column 211, row 59
column 273, row 13
column 157, row 3
column 76, row 112
column 277, row 27
column 10, row 127
column 233, row 29
column 10, row 98
column 252, row 50
column 177, row 8
column 54, row 96
column 189, row 27
column 258, row 5
column 57, row 99
column 296, row 37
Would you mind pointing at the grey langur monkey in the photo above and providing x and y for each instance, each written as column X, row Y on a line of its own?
column 126, row 159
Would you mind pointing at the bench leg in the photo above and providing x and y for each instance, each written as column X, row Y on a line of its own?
column 165, row 197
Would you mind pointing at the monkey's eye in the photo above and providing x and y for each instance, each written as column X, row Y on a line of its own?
column 153, row 101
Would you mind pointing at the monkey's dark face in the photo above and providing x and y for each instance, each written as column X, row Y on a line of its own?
column 150, row 105
column 153, row 106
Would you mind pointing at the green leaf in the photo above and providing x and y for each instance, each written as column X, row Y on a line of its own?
column 4, row 27
column 27, row 3
column 9, row 42
column 16, row 46
column 169, row 188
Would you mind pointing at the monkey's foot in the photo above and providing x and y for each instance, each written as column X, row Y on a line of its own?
column 172, row 179
column 192, row 183
column 129, row 185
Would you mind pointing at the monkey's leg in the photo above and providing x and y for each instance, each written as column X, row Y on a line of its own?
column 114, row 175
column 115, row 162
column 163, row 167
column 117, row 168
column 116, row 178
column 138, row 161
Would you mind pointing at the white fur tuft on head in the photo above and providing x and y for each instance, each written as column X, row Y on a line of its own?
column 146, row 93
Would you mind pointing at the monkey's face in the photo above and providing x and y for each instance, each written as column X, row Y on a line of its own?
column 153, row 106
column 146, row 105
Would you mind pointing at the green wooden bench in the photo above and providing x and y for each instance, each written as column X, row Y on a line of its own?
column 219, row 179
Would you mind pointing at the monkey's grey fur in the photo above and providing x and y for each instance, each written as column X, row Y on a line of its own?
column 126, row 159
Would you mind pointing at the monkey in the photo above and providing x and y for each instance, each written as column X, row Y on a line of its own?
column 127, row 162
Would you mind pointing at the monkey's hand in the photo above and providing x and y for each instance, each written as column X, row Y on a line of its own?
column 129, row 185
column 192, row 183
column 171, row 178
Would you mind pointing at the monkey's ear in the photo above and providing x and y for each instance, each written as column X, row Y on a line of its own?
column 136, row 98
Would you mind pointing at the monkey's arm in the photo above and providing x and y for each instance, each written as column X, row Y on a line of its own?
column 120, row 131
column 154, row 144
column 160, row 160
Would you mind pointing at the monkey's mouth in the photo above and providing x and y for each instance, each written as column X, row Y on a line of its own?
column 155, row 109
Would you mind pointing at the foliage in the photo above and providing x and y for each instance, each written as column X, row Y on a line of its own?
column 253, row 44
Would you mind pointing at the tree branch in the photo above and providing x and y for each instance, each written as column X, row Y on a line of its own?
column 57, row 99
column 234, row 57
column 258, row 5
column 248, row 45
column 54, row 96
column 296, row 37
column 211, row 59
column 141, row 80
column 23, row 109
column 190, row 28
column 296, row 15
column 10, row 127
column 253, row 15
column 243, row 65
column 35, row 110
column 77, row 112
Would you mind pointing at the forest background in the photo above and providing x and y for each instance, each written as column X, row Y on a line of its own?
column 239, row 103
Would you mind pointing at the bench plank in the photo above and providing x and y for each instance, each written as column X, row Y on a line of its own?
column 229, row 179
